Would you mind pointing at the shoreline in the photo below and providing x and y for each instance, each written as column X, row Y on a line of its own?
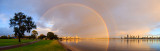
column 67, row 47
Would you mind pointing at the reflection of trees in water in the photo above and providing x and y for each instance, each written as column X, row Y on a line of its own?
column 70, row 40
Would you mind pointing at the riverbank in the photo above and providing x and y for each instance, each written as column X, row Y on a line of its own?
column 67, row 47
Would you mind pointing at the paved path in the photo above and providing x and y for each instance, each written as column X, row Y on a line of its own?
column 18, row 45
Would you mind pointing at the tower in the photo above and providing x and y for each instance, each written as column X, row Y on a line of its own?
column 127, row 36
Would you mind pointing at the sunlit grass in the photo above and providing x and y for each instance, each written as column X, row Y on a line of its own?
column 6, row 42
column 43, row 45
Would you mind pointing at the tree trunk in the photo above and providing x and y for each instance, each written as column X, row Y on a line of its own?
column 19, row 39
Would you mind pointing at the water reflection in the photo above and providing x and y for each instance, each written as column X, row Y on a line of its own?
column 70, row 40
column 88, row 44
column 114, row 44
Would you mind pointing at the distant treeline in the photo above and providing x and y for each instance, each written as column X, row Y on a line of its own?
column 5, row 37
column 8, row 37
column 50, row 36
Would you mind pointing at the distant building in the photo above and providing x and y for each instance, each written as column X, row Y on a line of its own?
column 68, row 37
column 127, row 36
column 138, row 37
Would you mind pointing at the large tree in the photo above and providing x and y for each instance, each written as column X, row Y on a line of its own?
column 51, row 35
column 21, row 24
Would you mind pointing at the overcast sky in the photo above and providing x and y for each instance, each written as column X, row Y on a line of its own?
column 85, row 18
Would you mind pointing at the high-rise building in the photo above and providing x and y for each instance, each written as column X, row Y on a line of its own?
column 127, row 36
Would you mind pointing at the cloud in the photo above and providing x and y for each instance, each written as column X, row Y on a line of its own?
column 75, row 21
column 3, row 18
column 121, row 16
column 6, row 31
column 141, row 16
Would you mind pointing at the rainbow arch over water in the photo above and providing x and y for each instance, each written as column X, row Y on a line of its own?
column 81, row 5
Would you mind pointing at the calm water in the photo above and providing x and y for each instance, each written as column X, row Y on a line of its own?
column 114, row 44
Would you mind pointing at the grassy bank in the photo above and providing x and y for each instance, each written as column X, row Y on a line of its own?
column 43, row 45
column 6, row 42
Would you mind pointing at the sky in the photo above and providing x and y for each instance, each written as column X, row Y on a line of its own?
column 86, row 18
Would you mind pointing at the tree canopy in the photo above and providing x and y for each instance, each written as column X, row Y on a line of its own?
column 21, row 24
column 34, row 32
column 42, row 36
column 51, row 35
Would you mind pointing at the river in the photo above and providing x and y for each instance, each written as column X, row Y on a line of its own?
column 114, row 44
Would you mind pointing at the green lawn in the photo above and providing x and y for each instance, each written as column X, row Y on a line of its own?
column 43, row 45
column 6, row 42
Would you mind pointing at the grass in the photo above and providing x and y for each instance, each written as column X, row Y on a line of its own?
column 6, row 42
column 43, row 45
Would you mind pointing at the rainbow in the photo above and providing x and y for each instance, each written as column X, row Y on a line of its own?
column 81, row 5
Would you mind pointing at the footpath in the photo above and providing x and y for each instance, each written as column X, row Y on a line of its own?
column 15, row 46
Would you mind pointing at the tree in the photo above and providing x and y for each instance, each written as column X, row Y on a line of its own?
column 21, row 24
column 3, row 37
column 51, row 35
column 55, row 37
column 35, row 33
column 33, row 36
column 8, row 36
column 42, row 36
